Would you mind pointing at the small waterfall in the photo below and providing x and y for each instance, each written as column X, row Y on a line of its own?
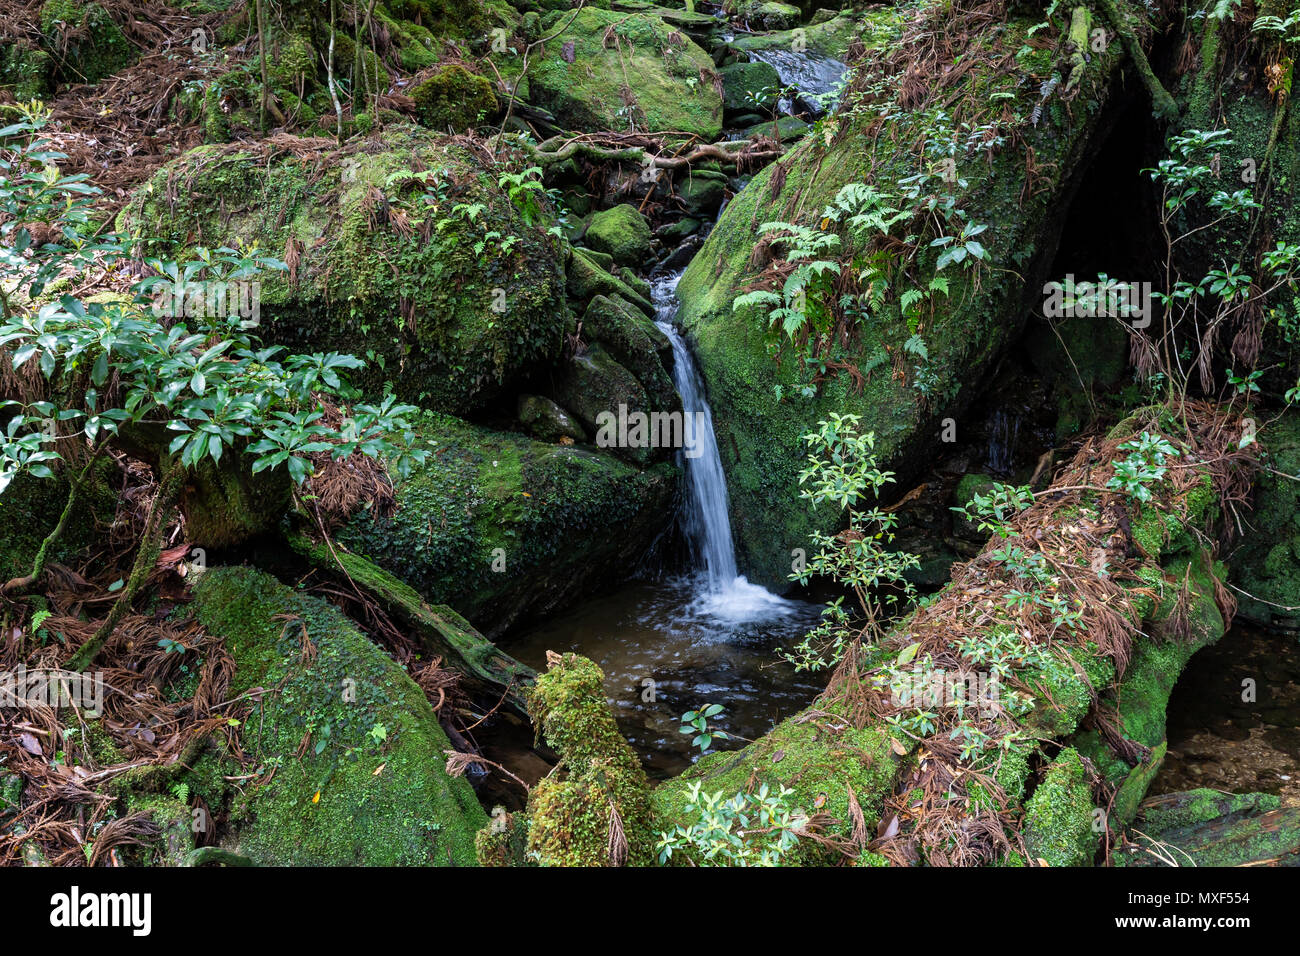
column 1004, row 430
column 723, row 592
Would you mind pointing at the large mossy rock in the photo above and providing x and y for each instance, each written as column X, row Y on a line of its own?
column 621, row 71
column 498, row 525
column 357, row 753
column 759, row 432
column 744, row 83
column 382, row 238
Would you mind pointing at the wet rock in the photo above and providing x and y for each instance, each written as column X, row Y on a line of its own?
column 498, row 526
column 703, row 192
column 547, row 421
column 637, row 343
column 595, row 383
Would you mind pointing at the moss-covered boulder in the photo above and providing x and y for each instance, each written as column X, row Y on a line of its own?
column 453, row 99
column 588, row 279
column 547, row 421
column 403, row 251
column 498, row 525
column 621, row 233
column 744, row 83
column 831, row 767
column 594, row 385
column 351, row 757
column 759, row 408
column 610, row 70
column 637, row 343
column 828, row 38
column 770, row 15
column 702, row 192
column 84, row 40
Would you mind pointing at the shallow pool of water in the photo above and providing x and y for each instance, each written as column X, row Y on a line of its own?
column 670, row 646
column 1219, row 740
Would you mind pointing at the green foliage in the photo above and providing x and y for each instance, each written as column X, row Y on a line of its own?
column 842, row 474
column 212, row 385
column 696, row 722
column 1145, row 465
column 748, row 829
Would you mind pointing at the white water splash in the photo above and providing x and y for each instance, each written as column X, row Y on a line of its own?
column 720, row 591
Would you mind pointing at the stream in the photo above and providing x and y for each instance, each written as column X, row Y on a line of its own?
column 705, row 635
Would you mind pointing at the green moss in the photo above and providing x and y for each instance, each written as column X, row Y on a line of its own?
column 356, row 753
column 1176, row 810
column 587, row 279
column 1208, row 828
column 85, row 42
column 30, row 509
column 815, row 754
column 570, row 814
column 454, row 99
column 25, row 72
column 495, row 523
column 622, row 233
column 636, row 342
column 627, row 71
column 743, row 84
column 1058, row 824
column 175, row 837
column 425, row 312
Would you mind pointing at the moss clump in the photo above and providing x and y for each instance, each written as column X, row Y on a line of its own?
column 86, row 43
column 351, row 753
column 818, row 756
column 454, row 99
column 1058, row 824
column 25, row 72
column 574, row 818
column 622, row 233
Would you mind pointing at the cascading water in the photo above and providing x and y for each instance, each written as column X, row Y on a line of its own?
column 704, row 636
column 722, row 591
